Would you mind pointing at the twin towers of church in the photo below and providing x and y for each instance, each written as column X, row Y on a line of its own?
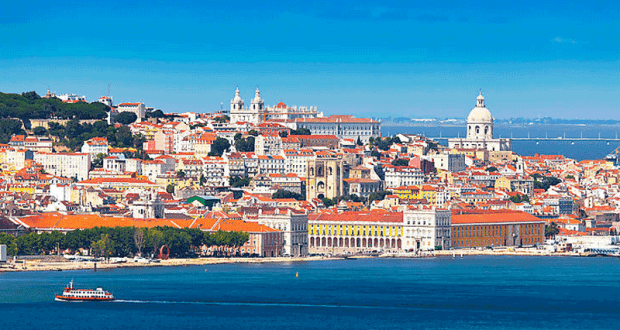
column 238, row 113
column 480, row 131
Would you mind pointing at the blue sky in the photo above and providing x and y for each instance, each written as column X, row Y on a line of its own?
column 367, row 58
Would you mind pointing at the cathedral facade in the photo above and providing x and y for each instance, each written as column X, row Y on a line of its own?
column 252, row 115
column 480, row 131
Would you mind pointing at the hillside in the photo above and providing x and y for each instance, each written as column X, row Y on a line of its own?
column 31, row 106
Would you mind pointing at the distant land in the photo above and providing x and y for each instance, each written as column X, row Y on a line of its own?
column 512, row 121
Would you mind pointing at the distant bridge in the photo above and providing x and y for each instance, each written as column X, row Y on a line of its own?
column 560, row 138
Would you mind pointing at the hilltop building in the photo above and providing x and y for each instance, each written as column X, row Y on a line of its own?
column 344, row 127
column 138, row 108
column 480, row 131
column 238, row 113
column 258, row 113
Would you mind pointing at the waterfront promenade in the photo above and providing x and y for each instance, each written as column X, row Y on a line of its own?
column 57, row 264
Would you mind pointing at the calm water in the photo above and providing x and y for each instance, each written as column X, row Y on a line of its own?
column 578, row 150
column 442, row 293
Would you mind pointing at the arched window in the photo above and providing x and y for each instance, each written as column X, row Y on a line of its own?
column 477, row 129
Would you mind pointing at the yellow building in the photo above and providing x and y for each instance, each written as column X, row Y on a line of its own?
column 503, row 183
column 417, row 192
column 407, row 192
column 480, row 154
column 331, row 232
column 22, row 188
column 121, row 184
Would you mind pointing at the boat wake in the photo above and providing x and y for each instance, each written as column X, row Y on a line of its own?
column 261, row 304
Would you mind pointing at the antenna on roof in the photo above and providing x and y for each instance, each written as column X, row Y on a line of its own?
column 109, row 89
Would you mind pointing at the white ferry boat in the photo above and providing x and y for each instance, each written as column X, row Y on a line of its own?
column 71, row 294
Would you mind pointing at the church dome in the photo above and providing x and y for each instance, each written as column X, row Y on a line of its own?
column 480, row 114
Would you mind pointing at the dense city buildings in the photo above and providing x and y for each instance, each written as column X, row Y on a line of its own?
column 299, row 183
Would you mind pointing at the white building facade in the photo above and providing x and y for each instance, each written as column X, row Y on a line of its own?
column 344, row 127
column 480, row 131
column 137, row 108
column 402, row 176
column 68, row 165
column 425, row 229
column 293, row 225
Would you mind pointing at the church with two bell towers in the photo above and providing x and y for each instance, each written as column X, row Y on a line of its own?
column 480, row 131
column 252, row 115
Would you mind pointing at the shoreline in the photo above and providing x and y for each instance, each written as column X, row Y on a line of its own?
column 43, row 265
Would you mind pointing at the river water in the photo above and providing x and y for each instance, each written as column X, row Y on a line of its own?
column 485, row 292
column 574, row 149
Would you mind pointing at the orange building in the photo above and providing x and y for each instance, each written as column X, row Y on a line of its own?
column 264, row 241
column 481, row 228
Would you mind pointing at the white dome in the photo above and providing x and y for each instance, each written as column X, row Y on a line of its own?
column 480, row 115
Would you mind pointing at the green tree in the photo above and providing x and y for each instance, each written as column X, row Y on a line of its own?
column 253, row 132
column 219, row 146
column 492, row 169
column 155, row 237
column 378, row 195
column 328, row 202
column 138, row 238
column 245, row 145
column 156, row 114
column 123, row 137
column 203, row 180
column 222, row 119
column 376, row 154
column 9, row 127
column 103, row 247
column 545, row 182
column 170, row 189
column 283, row 134
column 384, row 144
column 237, row 239
column 39, row 131
column 98, row 161
column 236, row 181
column 551, row 230
column 181, row 174
column 31, row 96
column 285, row 194
column 300, row 131
column 126, row 118
column 400, row 162
column 519, row 198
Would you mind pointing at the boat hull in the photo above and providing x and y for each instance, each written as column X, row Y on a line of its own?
column 62, row 298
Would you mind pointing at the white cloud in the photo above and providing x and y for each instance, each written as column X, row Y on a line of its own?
column 560, row 40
